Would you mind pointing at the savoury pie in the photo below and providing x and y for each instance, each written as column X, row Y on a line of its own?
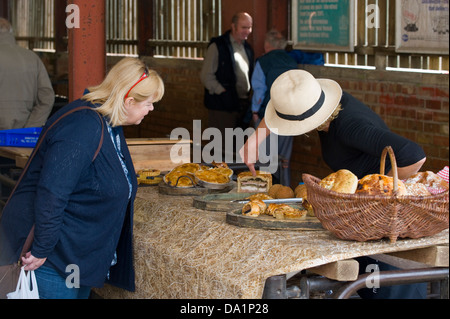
column 182, row 175
column 247, row 183
column 212, row 176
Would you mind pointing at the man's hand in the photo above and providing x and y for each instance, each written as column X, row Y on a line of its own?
column 249, row 152
column 246, row 157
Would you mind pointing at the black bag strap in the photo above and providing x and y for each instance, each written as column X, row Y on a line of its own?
column 29, row 240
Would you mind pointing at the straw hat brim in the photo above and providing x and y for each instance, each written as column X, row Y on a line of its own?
column 277, row 125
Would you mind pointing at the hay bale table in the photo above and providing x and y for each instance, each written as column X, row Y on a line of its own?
column 185, row 252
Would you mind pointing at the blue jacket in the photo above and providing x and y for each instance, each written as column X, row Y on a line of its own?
column 80, row 207
column 273, row 64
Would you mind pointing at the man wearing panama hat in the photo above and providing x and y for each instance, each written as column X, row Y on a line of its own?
column 352, row 137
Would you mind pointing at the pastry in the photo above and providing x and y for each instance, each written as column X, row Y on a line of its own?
column 260, row 196
column 342, row 181
column 212, row 176
column 282, row 211
column 182, row 175
column 254, row 208
column 222, row 164
column 223, row 170
column 187, row 168
column 247, row 183
column 300, row 192
column 180, row 179
column 149, row 176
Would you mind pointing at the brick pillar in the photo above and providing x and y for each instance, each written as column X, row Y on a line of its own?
column 87, row 47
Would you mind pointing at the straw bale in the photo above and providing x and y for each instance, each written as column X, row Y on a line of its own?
column 184, row 252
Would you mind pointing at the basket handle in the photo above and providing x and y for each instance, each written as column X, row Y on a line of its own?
column 388, row 149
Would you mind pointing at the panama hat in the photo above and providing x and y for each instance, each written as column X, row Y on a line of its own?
column 300, row 103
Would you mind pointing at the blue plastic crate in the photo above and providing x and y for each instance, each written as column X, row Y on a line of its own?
column 23, row 137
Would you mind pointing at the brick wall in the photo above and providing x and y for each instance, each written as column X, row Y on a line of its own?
column 413, row 105
column 182, row 102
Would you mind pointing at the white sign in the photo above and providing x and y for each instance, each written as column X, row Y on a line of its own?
column 422, row 26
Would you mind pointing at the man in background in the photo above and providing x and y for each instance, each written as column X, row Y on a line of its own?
column 268, row 67
column 226, row 74
column 26, row 93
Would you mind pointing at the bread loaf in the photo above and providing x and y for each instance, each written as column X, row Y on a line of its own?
column 417, row 189
column 377, row 184
column 429, row 179
column 342, row 181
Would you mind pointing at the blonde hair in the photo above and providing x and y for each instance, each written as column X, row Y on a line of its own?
column 110, row 94
column 334, row 115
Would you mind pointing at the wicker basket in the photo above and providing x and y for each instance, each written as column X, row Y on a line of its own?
column 370, row 217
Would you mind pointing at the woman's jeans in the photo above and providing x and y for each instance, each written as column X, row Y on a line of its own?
column 52, row 285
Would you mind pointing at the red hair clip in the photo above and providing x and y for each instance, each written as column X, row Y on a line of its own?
column 144, row 76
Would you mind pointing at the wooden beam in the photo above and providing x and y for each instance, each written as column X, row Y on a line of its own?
column 436, row 256
column 87, row 47
column 145, row 26
column 4, row 9
column 60, row 25
column 342, row 270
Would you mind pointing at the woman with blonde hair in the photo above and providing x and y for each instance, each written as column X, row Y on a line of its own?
column 78, row 190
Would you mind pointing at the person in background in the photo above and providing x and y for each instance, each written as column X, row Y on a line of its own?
column 352, row 137
column 268, row 67
column 81, row 206
column 226, row 75
column 26, row 93
column 302, row 57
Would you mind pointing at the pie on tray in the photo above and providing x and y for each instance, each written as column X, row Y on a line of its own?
column 212, row 175
column 190, row 174
column 182, row 175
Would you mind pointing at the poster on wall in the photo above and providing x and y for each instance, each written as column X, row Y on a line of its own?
column 323, row 25
column 422, row 26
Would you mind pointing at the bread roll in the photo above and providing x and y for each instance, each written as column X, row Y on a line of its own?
column 300, row 191
column 342, row 181
column 278, row 191
column 377, row 184
column 274, row 189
